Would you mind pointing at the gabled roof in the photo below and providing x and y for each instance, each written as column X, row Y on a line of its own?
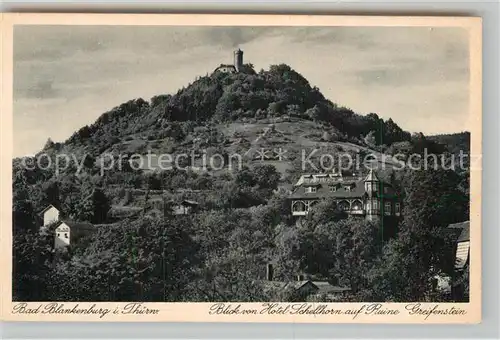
column 300, row 284
column 356, row 187
column 465, row 234
column 459, row 225
column 465, row 230
column 47, row 208
column 311, row 184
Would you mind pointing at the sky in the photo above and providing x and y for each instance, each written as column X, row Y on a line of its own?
column 65, row 77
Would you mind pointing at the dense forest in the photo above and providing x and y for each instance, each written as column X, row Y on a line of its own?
column 220, row 252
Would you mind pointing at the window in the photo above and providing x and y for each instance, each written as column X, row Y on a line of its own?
column 310, row 189
column 299, row 206
column 333, row 188
column 343, row 205
column 397, row 208
column 58, row 234
column 387, row 208
column 357, row 205
column 65, row 235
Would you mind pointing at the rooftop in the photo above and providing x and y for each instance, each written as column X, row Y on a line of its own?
column 371, row 176
column 338, row 189
column 47, row 208
column 464, row 228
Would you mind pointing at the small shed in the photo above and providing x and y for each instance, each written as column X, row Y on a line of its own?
column 185, row 207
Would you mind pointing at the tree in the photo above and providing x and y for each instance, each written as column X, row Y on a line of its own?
column 51, row 193
column 266, row 176
column 101, row 206
column 370, row 139
column 245, row 177
column 93, row 207
column 314, row 113
column 23, row 210
column 31, row 266
column 48, row 144
column 423, row 247
column 88, row 162
column 234, row 246
column 144, row 260
column 323, row 212
column 356, row 245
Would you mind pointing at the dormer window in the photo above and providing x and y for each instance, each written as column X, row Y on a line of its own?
column 333, row 188
column 349, row 187
column 310, row 190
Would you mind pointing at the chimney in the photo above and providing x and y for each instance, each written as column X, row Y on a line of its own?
column 300, row 277
column 269, row 272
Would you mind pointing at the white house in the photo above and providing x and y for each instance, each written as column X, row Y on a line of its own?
column 463, row 247
column 49, row 215
column 69, row 232
column 62, row 234
column 462, row 244
column 461, row 253
column 66, row 232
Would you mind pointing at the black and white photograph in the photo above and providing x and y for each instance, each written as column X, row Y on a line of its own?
column 242, row 164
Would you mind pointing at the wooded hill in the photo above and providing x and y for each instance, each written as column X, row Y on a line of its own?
column 244, row 219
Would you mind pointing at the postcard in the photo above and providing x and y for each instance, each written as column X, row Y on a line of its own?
column 240, row 168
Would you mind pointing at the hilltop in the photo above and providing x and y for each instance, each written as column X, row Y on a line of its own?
column 245, row 97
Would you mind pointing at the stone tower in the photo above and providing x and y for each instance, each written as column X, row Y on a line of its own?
column 238, row 59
